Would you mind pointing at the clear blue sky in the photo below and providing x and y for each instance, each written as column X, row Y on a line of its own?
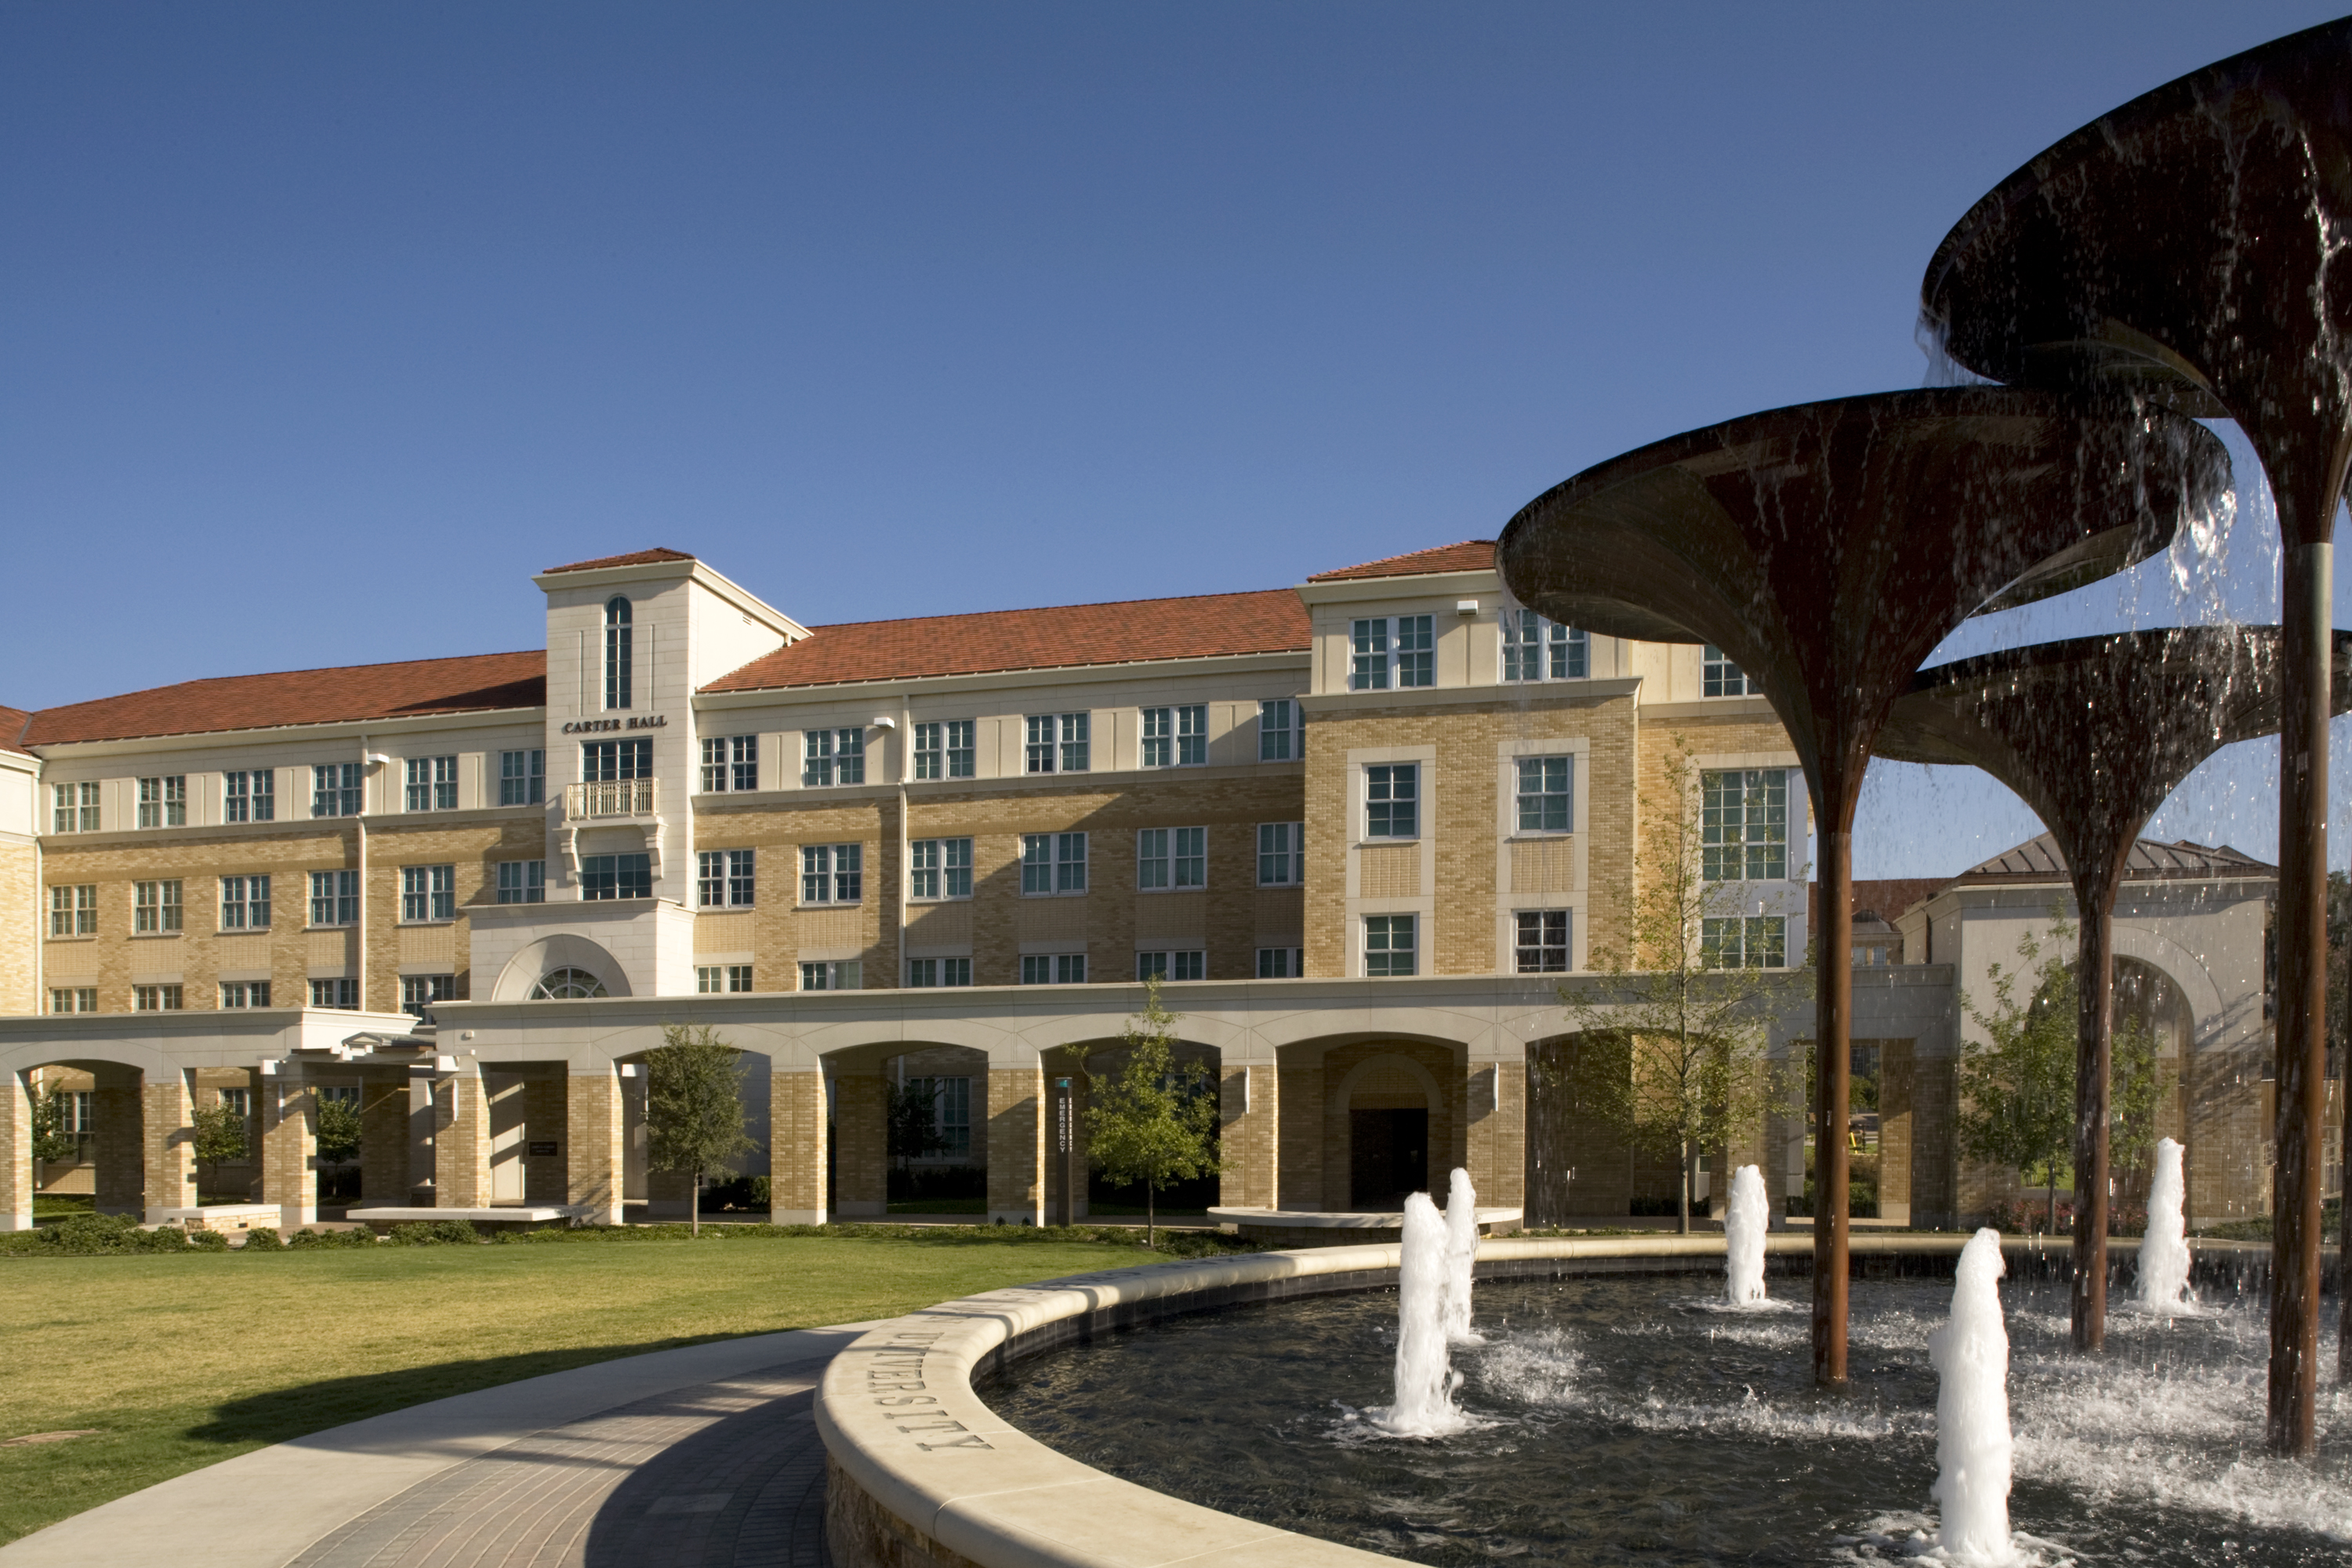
column 323, row 327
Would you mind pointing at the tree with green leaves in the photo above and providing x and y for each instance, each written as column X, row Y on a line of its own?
column 340, row 1131
column 2017, row 1085
column 913, row 1128
column 1155, row 1121
column 218, row 1135
column 694, row 1107
column 1672, row 1055
column 52, row 1115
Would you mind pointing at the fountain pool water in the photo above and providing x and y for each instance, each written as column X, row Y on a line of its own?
column 2164, row 1251
column 1423, row 1401
column 1973, row 1448
column 1461, row 1257
column 1745, row 1220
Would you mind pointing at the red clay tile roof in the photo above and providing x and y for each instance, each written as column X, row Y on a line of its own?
column 634, row 558
column 473, row 683
column 11, row 728
column 1470, row 555
column 1268, row 621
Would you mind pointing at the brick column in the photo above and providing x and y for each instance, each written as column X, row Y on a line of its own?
column 168, row 1143
column 461, row 1143
column 383, row 1141
column 1247, row 1099
column 116, row 1152
column 1016, row 1144
column 546, row 1109
column 17, row 1152
column 1298, row 1121
column 595, row 1130
column 289, row 1148
column 796, row 1148
column 1498, row 1135
column 861, row 1103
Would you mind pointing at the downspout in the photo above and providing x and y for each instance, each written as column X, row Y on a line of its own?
column 906, row 877
column 369, row 761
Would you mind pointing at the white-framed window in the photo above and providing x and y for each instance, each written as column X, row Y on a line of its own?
column 522, row 881
column 249, row 796
column 727, row 879
column 950, row 1101
column 334, row 897
column 237, row 993
column 831, row 874
column 156, row 998
column 340, row 1094
column 1393, row 800
column 567, row 984
column 1277, row 731
column 342, row 994
column 608, row 761
column 1391, row 944
column 1058, row 743
column 832, row 757
column 1167, row 858
column 1052, row 863
column 73, row 807
column 73, row 999
column 1177, row 964
column 926, row 971
column 238, row 1101
column 1718, row 676
column 1281, row 854
column 1542, row 941
column 1744, row 942
column 1537, row 649
column 428, row 893
column 1281, row 963
column 1053, row 969
column 73, row 910
column 522, row 777
column 1547, row 799
column 616, row 877
column 1392, row 651
column 245, row 903
column 335, row 789
column 620, row 662
column 418, row 992
column 841, row 974
column 1744, row 824
column 163, row 800
column 432, row 785
column 719, row 979
column 155, row 907
column 939, row 868
column 944, row 750
column 1176, row 737
column 730, row 762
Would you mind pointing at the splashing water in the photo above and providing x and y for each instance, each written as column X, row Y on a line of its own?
column 1744, row 1222
column 1973, row 1448
column 2164, row 1251
column 1425, row 1379
column 1461, row 1258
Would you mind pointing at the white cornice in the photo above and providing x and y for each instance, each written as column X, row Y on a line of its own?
column 1420, row 584
column 697, row 572
column 983, row 681
column 1542, row 694
column 355, row 729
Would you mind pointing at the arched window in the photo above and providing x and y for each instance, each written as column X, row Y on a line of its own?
column 566, row 984
column 616, row 652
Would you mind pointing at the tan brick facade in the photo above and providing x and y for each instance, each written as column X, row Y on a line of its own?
column 797, row 1148
column 20, row 912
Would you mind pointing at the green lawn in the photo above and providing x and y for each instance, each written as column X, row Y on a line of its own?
column 181, row 1362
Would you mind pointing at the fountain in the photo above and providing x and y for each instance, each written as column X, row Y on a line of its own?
column 1973, row 1448
column 2164, row 1251
column 1745, row 1220
column 1423, row 1401
column 1461, row 1257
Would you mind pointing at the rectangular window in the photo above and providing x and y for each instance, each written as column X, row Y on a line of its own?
column 155, row 907
column 73, row 910
column 238, row 1101
column 418, row 992
column 939, row 971
column 74, row 808
column 522, row 881
column 155, row 998
column 846, row 974
column 1400, row 651
column 1744, row 824
column 940, row 869
column 249, row 796
column 1388, row 943
column 1744, row 942
column 607, row 761
column 1058, row 743
column 1180, row 965
column 616, row 877
column 719, row 979
column 1176, row 737
column 834, row 757
column 1718, row 676
column 245, row 903
column 342, row 994
column 730, row 762
column 522, row 777
column 1052, row 863
column 944, row 751
column 1545, row 802
column 432, row 785
column 1053, row 969
column 163, row 802
column 1171, row 857
column 1281, row 854
column 1543, row 942
column 1281, row 963
column 1370, row 640
column 950, row 1101
column 1537, row 649
column 1393, row 800
column 334, row 897
column 1277, row 731
column 236, row 994
column 833, row 873
column 73, row 999
column 428, row 893
column 727, row 879
column 335, row 789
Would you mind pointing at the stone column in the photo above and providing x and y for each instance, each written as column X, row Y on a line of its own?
column 861, row 1101
column 1016, row 1144
column 461, row 1143
column 168, row 1144
column 289, row 1148
column 546, row 1109
column 796, row 1148
column 17, row 1152
column 595, row 1129
column 383, row 1141
column 121, row 1174
column 1299, row 1116
column 1247, row 1099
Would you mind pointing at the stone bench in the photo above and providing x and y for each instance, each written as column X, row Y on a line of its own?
column 514, row 1217
column 1289, row 1229
column 218, row 1216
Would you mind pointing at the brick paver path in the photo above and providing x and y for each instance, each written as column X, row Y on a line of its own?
column 723, row 1475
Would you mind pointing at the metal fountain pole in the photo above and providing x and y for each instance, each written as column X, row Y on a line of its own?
column 1833, row 1094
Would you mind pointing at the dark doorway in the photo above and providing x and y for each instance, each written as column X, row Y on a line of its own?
column 1387, row 1157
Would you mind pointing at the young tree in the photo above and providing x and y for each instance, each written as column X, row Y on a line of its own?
column 52, row 1115
column 1156, row 1121
column 1673, row 1056
column 338, row 1131
column 694, row 1107
column 2017, row 1094
column 218, row 1132
column 914, row 1126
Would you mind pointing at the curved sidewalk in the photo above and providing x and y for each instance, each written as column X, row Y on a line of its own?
column 702, row 1457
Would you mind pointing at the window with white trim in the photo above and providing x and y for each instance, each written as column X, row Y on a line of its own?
column 604, row 877
column 238, row 1101
column 73, row 910
column 1393, row 800
column 1281, row 963
column 1176, row 737
column 249, row 796
column 1744, row 942
column 418, row 992
column 335, row 789
column 155, row 998
column 522, row 881
column 237, row 993
column 155, row 907
column 1547, row 799
column 721, row 979
column 944, row 750
column 620, row 639
column 1534, row 648
column 1744, row 824
column 1052, row 863
column 1177, row 964
column 1053, row 969
column 74, row 808
column 1392, row 651
column 1169, row 858
column 832, row 757
column 1281, row 854
column 730, row 762
column 1277, row 731
column 609, row 761
column 342, row 993
column 73, row 999
column 1542, row 941
column 1058, row 743
column 432, row 785
column 522, row 777
column 939, row 868
column 840, row 975
column 334, row 897
column 1391, row 944
column 428, row 893
column 1719, row 677
column 727, row 879
column 245, row 903
column 831, row 874
column 929, row 972
column 163, row 800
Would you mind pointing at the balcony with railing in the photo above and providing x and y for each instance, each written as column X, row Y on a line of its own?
column 609, row 798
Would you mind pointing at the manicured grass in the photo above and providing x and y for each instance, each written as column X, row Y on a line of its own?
column 181, row 1362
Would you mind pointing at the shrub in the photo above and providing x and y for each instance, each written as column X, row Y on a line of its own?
column 307, row 1237
column 207, row 1241
column 264, row 1236
column 95, row 1235
column 745, row 1193
column 434, row 1233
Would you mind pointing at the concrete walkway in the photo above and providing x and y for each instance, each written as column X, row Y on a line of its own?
column 706, row 1456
